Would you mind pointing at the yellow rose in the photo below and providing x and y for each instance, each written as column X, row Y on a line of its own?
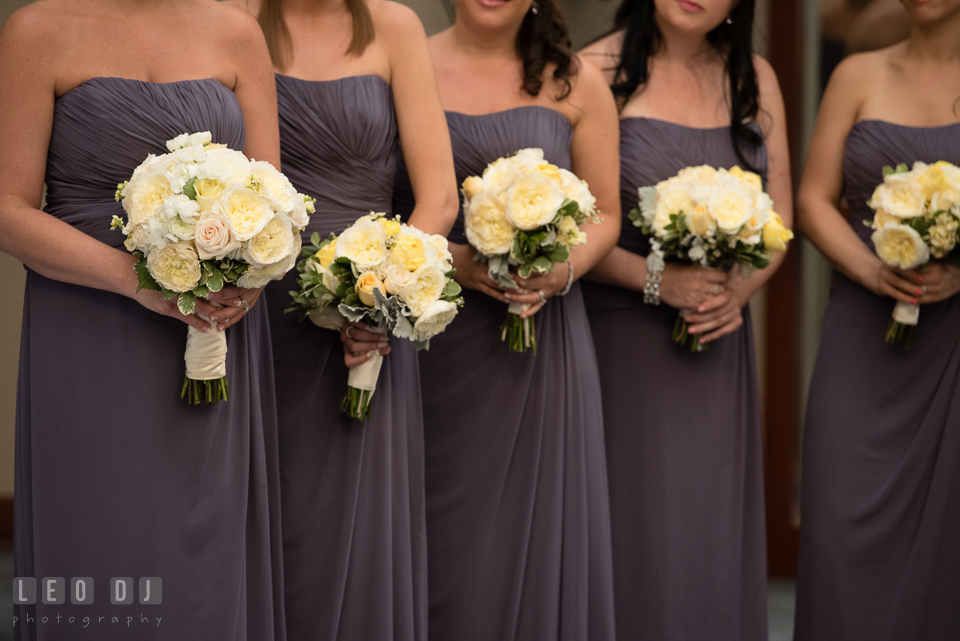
column 550, row 171
column 775, row 235
column 207, row 192
column 364, row 243
column 409, row 252
column 390, row 226
column 175, row 266
column 945, row 200
column 747, row 178
column 934, row 179
column 472, row 186
column 271, row 245
column 365, row 286
column 533, row 201
column 487, row 226
column 246, row 212
column 327, row 253
column 700, row 222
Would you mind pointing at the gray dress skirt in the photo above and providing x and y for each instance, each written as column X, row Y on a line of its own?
column 880, row 511
column 354, row 540
column 115, row 475
column 683, row 435
column 517, row 509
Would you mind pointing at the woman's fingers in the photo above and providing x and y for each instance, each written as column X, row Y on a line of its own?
column 355, row 360
column 533, row 309
column 714, row 302
column 364, row 334
column 911, row 289
column 723, row 330
column 491, row 292
column 530, row 298
column 712, row 321
column 715, row 276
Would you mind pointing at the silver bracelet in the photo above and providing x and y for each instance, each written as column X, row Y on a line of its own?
column 651, row 289
column 566, row 290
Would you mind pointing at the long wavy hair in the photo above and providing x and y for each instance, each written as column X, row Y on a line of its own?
column 733, row 40
column 544, row 39
column 278, row 35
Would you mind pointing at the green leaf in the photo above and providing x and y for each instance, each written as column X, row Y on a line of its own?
column 186, row 303
column 215, row 280
column 315, row 239
column 189, row 190
column 636, row 216
column 144, row 279
column 200, row 291
column 452, row 289
column 888, row 170
column 168, row 294
column 543, row 264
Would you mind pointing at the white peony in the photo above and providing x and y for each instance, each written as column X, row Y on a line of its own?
column 213, row 237
column 487, row 227
column 533, row 201
column 434, row 319
column 900, row 246
column 364, row 243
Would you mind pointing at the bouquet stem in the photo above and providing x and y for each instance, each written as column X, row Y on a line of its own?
column 682, row 335
column 519, row 333
column 361, row 384
column 903, row 325
column 206, row 361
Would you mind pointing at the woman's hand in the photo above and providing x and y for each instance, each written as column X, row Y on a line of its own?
column 472, row 274
column 938, row 281
column 904, row 286
column 549, row 285
column 718, row 316
column 155, row 302
column 689, row 287
column 232, row 299
column 360, row 343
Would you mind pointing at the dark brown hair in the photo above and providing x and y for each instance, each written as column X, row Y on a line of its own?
column 543, row 39
column 278, row 36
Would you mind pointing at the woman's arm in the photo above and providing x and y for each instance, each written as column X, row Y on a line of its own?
column 422, row 124
column 595, row 158
column 29, row 56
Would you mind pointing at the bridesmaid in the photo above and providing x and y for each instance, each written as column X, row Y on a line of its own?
column 354, row 78
column 115, row 475
column 881, row 461
column 517, row 507
column 684, row 441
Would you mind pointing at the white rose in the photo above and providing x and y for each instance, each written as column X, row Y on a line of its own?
column 672, row 198
column 179, row 229
column 246, row 212
column 364, row 243
column 397, row 277
column 731, row 208
column 191, row 154
column 274, row 186
column 200, row 138
column 533, row 201
column 175, row 267
column 487, row 227
column 176, row 143
column 444, row 257
column 235, row 161
column 900, row 246
column 213, row 237
column 272, row 245
column 426, row 288
column 434, row 319
column 257, row 277
column 179, row 206
column 330, row 280
column 299, row 215
column 212, row 169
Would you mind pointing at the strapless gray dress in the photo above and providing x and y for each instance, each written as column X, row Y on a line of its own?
column 683, row 435
column 517, row 507
column 880, row 493
column 115, row 475
column 352, row 492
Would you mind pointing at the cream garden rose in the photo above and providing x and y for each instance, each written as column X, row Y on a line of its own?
column 364, row 243
column 900, row 246
column 246, row 212
column 434, row 319
column 900, row 198
column 274, row 243
column 533, row 201
column 487, row 226
column 175, row 267
column 409, row 251
column 427, row 286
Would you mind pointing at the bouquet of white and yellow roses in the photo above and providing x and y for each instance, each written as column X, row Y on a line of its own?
column 714, row 218
column 389, row 275
column 526, row 213
column 198, row 218
column 916, row 217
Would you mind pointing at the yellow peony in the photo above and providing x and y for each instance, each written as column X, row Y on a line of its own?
column 533, row 201
column 175, row 266
column 409, row 252
column 246, row 212
column 364, row 243
column 271, row 245
column 487, row 226
column 207, row 192
column 775, row 235
column 900, row 246
column 365, row 286
column 327, row 253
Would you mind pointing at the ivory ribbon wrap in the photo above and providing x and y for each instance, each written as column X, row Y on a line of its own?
column 206, row 354
column 364, row 377
column 518, row 308
column 906, row 314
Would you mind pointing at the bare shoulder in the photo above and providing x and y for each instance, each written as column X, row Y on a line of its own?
column 395, row 20
column 766, row 76
column 233, row 21
column 37, row 26
column 856, row 72
column 590, row 81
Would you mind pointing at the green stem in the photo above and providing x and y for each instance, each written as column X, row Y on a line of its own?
column 205, row 392
column 900, row 334
column 681, row 335
column 520, row 334
column 357, row 403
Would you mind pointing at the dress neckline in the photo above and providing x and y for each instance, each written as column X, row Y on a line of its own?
column 95, row 79
column 511, row 110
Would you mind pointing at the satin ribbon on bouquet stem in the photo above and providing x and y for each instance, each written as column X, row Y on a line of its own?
column 206, row 361
column 903, row 325
column 519, row 333
column 362, row 383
